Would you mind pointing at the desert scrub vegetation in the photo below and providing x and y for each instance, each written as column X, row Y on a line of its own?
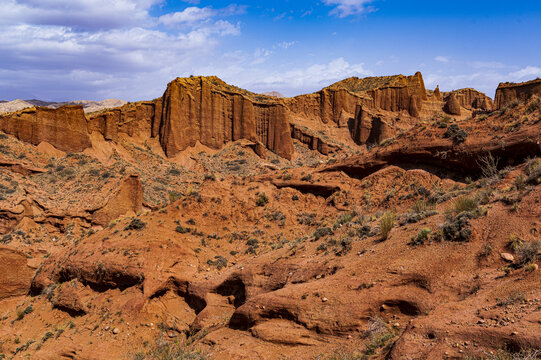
column 527, row 252
column 379, row 337
column 386, row 224
column 420, row 210
column 162, row 349
column 465, row 204
column 533, row 172
column 135, row 224
column 262, row 199
column 488, row 165
column 457, row 229
column 219, row 262
column 421, row 237
column 455, row 133
column 506, row 354
column 321, row 232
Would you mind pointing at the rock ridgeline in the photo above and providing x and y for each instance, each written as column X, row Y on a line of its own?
column 472, row 99
column 209, row 111
column 390, row 93
column 509, row 92
column 66, row 127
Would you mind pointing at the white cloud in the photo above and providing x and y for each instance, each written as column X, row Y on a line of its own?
column 486, row 81
column 442, row 59
column 192, row 15
column 49, row 51
column 286, row 44
column 527, row 73
column 77, row 14
column 487, row 65
column 187, row 16
column 345, row 8
column 298, row 80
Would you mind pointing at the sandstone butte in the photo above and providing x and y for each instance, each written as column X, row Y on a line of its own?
column 209, row 111
column 373, row 219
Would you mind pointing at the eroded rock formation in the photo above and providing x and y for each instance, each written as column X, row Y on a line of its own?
column 15, row 274
column 390, row 93
column 369, row 129
column 522, row 92
column 452, row 106
column 65, row 127
column 214, row 113
column 473, row 99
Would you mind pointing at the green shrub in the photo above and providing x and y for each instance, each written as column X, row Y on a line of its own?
column 421, row 237
column 135, row 224
column 458, row 229
column 322, row 231
column 262, row 199
column 455, row 133
column 219, row 261
column 182, row 230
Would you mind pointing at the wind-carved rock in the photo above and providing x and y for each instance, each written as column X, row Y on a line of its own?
column 452, row 106
column 214, row 113
column 509, row 92
column 65, row 127
column 473, row 99
column 368, row 129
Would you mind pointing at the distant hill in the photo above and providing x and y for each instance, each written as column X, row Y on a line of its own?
column 88, row 105
column 273, row 93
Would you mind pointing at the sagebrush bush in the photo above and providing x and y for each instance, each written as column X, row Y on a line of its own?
column 421, row 237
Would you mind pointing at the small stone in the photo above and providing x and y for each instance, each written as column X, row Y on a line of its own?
column 507, row 257
column 116, row 331
column 324, row 299
column 107, row 328
column 481, row 321
column 514, row 333
column 396, row 325
column 172, row 334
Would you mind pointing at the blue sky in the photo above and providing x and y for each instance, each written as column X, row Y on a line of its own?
column 130, row 49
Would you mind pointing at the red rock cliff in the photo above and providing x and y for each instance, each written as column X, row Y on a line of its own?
column 472, row 99
column 65, row 127
column 391, row 93
column 214, row 113
column 509, row 92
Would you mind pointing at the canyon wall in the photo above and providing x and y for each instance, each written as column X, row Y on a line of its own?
column 390, row 93
column 65, row 127
column 522, row 92
column 472, row 99
column 210, row 111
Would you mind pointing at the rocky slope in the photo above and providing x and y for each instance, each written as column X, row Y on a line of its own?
column 215, row 223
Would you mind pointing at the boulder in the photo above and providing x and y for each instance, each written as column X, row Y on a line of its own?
column 15, row 274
